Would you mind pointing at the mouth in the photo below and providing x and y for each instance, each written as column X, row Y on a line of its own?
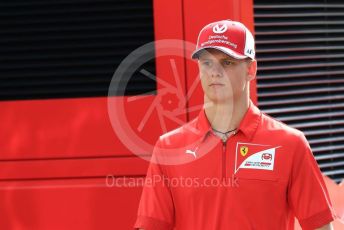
column 216, row 84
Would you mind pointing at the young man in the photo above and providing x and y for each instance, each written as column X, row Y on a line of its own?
column 248, row 171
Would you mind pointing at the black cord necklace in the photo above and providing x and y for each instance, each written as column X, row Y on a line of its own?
column 224, row 135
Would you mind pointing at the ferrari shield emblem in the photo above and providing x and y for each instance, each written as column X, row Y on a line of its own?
column 243, row 150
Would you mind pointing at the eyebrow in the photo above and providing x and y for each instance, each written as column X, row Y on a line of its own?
column 222, row 59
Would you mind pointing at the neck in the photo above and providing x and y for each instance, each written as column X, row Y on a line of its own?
column 226, row 116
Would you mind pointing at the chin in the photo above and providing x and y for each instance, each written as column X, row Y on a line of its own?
column 221, row 100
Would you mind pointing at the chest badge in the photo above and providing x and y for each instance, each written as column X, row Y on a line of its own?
column 243, row 150
column 255, row 156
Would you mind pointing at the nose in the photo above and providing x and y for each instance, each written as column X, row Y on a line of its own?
column 216, row 70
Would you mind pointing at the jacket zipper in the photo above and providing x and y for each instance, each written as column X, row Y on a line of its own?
column 224, row 160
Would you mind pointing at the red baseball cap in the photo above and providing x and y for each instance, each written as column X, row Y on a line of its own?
column 230, row 37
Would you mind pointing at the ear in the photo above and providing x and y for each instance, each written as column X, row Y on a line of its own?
column 252, row 70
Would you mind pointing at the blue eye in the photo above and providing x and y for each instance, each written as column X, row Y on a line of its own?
column 226, row 62
column 206, row 63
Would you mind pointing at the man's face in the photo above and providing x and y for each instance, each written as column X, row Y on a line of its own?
column 224, row 78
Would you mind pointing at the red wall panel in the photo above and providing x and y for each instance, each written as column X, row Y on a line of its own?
column 56, row 154
column 67, row 204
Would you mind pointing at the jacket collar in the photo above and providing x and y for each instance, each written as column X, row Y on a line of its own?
column 247, row 126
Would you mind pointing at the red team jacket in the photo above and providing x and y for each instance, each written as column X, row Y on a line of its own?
column 260, row 178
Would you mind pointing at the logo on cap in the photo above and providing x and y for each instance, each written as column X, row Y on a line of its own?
column 249, row 51
column 218, row 29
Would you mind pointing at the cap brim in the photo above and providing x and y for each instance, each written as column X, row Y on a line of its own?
column 229, row 52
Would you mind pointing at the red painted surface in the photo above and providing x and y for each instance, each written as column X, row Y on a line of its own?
column 60, row 128
column 66, row 204
column 56, row 154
